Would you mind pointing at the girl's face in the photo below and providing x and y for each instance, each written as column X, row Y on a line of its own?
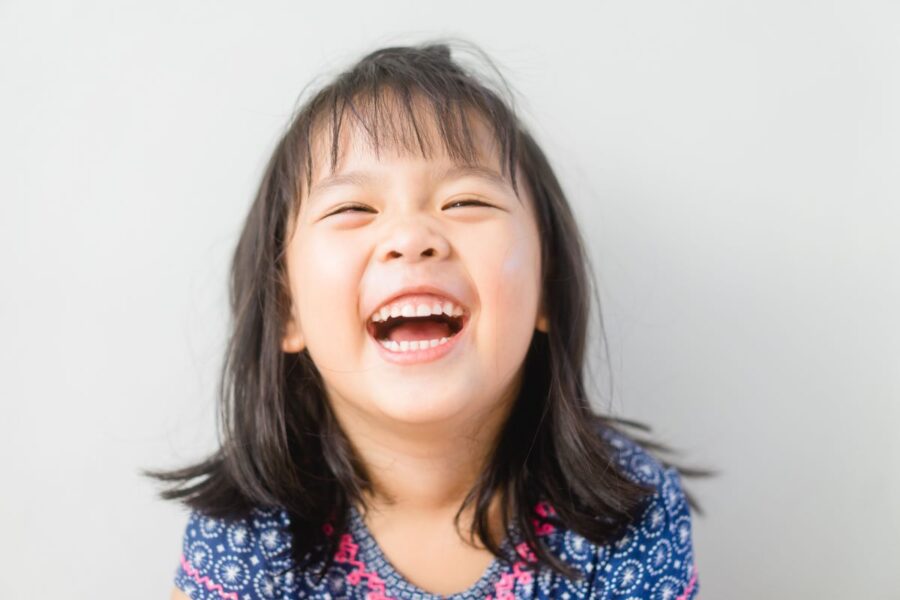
column 377, row 228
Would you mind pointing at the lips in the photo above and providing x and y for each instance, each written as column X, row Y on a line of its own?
column 418, row 323
column 405, row 353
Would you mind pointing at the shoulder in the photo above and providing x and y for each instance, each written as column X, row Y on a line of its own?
column 634, row 461
column 655, row 556
column 230, row 558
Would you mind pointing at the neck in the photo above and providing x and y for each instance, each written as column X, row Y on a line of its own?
column 419, row 468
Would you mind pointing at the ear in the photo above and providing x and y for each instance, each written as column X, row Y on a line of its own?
column 541, row 322
column 293, row 341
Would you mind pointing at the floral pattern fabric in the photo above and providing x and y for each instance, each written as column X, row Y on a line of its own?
column 249, row 559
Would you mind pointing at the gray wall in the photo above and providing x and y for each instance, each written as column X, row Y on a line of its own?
column 735, row 169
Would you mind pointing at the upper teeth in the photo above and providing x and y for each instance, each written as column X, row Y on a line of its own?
column 409, row 309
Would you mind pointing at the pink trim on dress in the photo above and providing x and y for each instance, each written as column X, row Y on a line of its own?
column 206, row 581
column 690, row 586
column 520, row 574
column 504, row 587
column 347, row 554
column 545, row 510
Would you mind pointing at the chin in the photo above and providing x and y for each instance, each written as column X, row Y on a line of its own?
column 421, row 408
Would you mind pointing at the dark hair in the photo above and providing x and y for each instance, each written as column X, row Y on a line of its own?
column 281, row 445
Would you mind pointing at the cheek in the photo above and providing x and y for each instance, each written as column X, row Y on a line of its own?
column 510, row 289
column 326, row 285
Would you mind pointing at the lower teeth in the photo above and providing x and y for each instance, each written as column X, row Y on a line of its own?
column 407, row 346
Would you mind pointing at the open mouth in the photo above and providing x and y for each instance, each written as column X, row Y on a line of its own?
column 400, row 333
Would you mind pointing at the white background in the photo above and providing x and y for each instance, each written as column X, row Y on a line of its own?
column 734, row 166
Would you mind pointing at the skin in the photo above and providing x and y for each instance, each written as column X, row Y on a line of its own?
column 423, row 430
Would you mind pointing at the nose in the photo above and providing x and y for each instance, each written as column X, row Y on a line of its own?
column 414, row 240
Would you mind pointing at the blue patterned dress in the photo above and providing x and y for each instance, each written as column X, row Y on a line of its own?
column 249, row 559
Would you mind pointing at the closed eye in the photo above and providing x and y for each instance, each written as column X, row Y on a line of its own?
column 467, row 203
column 363, row 208
column 349, row 207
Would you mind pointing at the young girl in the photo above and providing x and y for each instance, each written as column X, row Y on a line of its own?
column 403, row 408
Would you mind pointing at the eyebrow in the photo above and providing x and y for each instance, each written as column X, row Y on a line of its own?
column 363, row 178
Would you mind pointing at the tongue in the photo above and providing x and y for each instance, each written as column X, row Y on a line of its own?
column 419, row 329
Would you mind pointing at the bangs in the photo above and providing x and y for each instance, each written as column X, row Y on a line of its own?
column 413, row 121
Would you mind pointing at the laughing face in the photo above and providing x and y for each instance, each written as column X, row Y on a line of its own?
column 415, row 283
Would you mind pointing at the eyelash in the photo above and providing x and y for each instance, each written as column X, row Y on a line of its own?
column 468, row 202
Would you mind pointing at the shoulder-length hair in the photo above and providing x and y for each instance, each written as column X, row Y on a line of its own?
column 281, row 445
